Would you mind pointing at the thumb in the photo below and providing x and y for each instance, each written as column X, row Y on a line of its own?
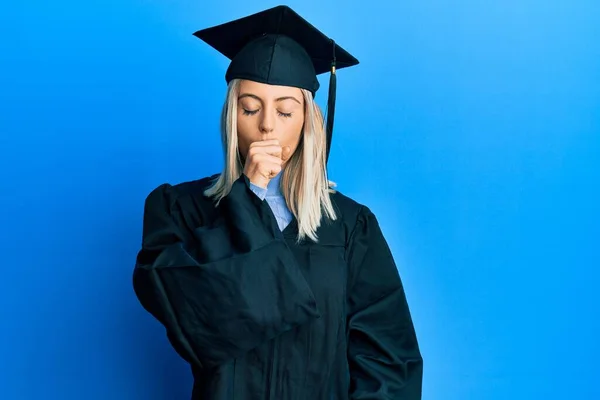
column 286, row 152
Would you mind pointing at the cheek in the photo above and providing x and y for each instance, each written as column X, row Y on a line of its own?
column 244, row 136
column 295, row 131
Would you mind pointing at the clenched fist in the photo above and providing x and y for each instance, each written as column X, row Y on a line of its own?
column 264, row 161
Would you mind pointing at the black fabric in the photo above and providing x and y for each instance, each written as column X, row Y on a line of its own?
column 259, row 316
column 276, row 46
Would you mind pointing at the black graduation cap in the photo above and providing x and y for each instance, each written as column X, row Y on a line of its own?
column 279, row 47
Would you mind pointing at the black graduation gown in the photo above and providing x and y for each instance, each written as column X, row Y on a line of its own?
column 259, row 316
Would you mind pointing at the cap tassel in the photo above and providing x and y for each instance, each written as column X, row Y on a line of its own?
column 331, row 103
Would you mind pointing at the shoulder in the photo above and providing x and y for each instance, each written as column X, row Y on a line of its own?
column 194, row 188
column 169, row 193
column 350, row 208
column 351, row 213
column 347, row 207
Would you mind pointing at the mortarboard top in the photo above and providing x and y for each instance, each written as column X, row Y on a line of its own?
column 279, row 47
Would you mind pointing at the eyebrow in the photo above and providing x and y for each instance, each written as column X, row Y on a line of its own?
column 277, row 99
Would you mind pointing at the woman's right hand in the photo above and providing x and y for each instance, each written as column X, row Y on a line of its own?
column 264, row 161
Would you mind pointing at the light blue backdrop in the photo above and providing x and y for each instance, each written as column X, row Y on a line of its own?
column 471, row 128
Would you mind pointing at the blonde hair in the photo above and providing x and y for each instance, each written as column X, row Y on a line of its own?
column 304, row 182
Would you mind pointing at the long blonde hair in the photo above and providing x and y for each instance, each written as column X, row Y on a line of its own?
column 304, row 182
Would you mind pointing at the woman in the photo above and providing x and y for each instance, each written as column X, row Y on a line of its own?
column 268, row 282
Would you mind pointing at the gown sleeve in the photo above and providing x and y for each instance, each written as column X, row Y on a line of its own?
column 383, row 352
column 222, row 289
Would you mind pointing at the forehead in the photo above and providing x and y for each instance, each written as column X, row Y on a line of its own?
column 267, row 91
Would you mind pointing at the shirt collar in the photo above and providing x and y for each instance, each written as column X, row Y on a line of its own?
column 274, row 186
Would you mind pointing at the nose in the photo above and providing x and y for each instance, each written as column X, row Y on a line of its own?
column 267, row 122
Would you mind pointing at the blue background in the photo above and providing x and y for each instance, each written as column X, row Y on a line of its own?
column 471, row 128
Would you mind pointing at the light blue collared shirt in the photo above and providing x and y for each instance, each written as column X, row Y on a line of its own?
column 275, row 199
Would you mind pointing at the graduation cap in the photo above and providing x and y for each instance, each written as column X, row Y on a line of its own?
column 279, row 47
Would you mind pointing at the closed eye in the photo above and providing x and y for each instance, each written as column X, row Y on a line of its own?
column 281, row 114
column 250, row 112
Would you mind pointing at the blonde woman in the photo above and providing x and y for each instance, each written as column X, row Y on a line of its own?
column 271, row 284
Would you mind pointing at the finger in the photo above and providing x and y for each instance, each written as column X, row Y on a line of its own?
column 263, row 143
column 270, row 150
column 269, row 171
column 275, row 151
column 267, row 159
